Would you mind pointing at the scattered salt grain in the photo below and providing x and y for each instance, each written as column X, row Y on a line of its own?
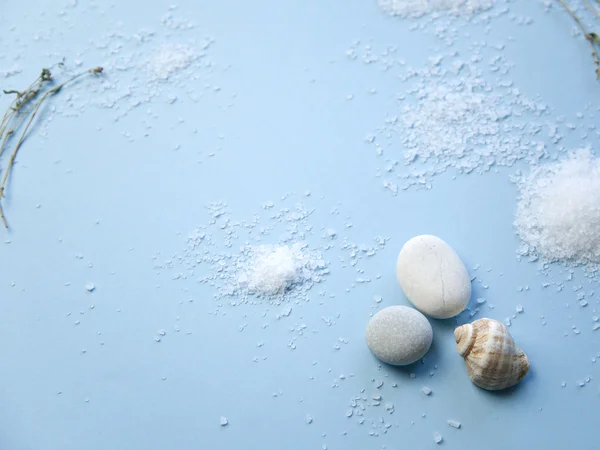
column 460, row 125
column 309, row 419
column 90, row 287
column 558, row 213
column 426, row 390
column 519, row 309
column 418, row 8
column 437, row 437
column 454, row 423
column 223, row 421
column 596, row 326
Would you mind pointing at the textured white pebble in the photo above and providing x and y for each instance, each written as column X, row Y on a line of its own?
column 454, row 423
column 399, row 335
column 433, row 277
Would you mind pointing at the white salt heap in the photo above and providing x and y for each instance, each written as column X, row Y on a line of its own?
column 558, row 214
column 271, row 270
column 168, row 60
column 418, row 8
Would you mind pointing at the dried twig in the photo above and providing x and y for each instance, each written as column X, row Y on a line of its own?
column 591, row 8
column 591, row 37
column 17, row 109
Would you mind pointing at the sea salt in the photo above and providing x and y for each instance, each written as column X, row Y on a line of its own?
column 458, row 123
column 418, row 8
column 426, row 390
column 273, row 269
column 223, row 421
column 454, row 423
column 437, row 437
column 558, row 213
column 169, row 59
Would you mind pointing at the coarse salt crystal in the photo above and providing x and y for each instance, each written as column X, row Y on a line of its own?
column 454, row 423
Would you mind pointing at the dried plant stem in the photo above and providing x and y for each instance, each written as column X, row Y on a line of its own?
column 591, row 8
column 591, row 38
column 16, row 108
column 4, row 222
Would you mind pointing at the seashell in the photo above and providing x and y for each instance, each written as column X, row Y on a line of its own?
column 493, row 360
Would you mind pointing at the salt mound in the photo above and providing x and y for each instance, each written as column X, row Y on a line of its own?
column 418, row 8
column 271, row 270
column 558, row 213
column 168, row 60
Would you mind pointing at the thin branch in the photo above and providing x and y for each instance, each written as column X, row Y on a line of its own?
column 591, row 8
column 591, row 38
column 16, row 107
column 2, row 217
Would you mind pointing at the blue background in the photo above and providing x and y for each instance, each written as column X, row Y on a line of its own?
column 96, row 191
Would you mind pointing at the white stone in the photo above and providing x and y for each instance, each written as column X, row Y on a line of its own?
column 433, row 277
column 399, row 335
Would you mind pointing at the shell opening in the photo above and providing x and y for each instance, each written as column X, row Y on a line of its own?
column 465, row 339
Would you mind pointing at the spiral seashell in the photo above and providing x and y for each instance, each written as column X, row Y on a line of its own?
column 493, row 360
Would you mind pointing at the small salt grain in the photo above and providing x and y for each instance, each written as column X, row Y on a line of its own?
column 223, row 421
column 425, row 390
column 90, row 287
column 437, row 437
column 454, row 423
column 519, row 309
column 309, row 419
